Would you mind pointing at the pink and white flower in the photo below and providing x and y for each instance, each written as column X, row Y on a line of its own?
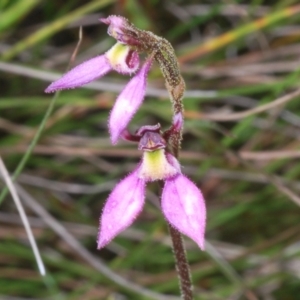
column 122, row 58
column 182, row 202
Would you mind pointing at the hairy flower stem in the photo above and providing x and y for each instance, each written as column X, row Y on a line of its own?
column 182, row 265
column 175, row 138
column 176, row 87
column 163, row 53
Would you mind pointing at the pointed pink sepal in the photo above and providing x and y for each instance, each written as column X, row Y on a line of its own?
column 122, row 207
column 128, row 102
column 82, row 74
column 184, row 208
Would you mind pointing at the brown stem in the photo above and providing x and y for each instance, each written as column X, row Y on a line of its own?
column 181, row 262
column 182, row 265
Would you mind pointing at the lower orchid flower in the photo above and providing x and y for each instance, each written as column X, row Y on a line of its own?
column 182, row 202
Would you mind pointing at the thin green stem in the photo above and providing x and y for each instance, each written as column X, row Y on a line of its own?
column 38, row 134
column 33, row 143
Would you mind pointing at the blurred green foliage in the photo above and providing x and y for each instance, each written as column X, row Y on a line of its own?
column 235, row 55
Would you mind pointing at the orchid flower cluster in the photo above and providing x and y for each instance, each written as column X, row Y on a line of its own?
column 182, row 202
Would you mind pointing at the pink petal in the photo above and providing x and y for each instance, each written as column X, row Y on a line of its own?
column 122, row 207
column 82, row 74
column 128, row 102
column 184, row 207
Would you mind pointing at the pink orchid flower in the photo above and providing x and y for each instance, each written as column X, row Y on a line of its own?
column 125, row 60
column 182, row 202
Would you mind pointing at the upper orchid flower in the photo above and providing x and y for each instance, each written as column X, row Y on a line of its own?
column 182, row 202
column 125, row 60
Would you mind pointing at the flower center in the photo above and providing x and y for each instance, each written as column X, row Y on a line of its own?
column 155, row 166
column 123, row 59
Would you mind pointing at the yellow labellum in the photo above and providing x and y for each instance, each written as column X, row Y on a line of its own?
column 155, row 166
